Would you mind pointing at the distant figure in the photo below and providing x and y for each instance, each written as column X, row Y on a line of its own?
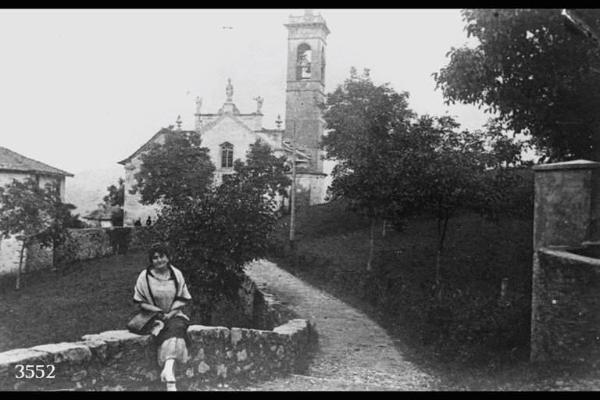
column 148, row 221
column 137, row 222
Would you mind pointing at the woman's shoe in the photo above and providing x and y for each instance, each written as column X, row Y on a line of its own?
column 171, row 386
column 168, row 374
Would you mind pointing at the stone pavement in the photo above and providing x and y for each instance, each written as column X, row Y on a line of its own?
column 354, row 352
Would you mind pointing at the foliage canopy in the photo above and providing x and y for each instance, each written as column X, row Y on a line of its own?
column 537, row 75
column 174, row 172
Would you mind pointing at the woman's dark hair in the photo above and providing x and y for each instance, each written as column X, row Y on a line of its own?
column 160, row 249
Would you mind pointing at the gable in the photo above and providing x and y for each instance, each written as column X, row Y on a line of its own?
column 227, row 129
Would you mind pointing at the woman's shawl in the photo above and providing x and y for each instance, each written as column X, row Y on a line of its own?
column 143, row 292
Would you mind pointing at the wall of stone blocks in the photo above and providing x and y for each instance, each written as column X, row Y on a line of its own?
column 565, row 300
column 566, row 308
column 87, row 244
column 84, row 244
column 120, row 360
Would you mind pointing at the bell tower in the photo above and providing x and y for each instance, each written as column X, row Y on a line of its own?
column 306, row 85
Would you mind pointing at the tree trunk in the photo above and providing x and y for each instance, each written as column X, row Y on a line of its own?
column 438, row 275
column 371, row 245
column 54, row 255
column 503, row 289
column 442, row 229
column 18, row 283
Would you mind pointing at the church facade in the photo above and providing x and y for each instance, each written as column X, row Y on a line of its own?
column 228, row 133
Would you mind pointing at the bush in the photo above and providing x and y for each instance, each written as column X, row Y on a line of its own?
column 215, row 235
column 213, row 238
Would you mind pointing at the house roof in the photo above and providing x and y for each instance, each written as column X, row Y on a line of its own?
column 102, row 214
column 15, row 162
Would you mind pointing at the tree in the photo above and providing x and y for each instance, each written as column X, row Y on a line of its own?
column 114, row 201
column 450, row 167
column 33, row 213
column 441, row 170
column 116, row 194
column 174, row 172
column 216, row 233
column 539, row 77
column 263, row 171
column 362, row 119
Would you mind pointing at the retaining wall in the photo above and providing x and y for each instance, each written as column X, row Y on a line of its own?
column 567, row 307
column 120, row 360
column 565, row 298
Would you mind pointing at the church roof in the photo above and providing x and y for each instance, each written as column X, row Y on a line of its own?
column 15, row 162
column 146, row 146
column 271, row 131
column 204, row 128
column 214, row 122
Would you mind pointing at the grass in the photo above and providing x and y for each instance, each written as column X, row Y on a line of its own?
column 469, row 338
column 90, row 297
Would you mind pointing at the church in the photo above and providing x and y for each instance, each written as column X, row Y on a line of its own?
column 229, row 132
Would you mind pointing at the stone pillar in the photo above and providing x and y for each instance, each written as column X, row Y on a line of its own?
column 566, row 212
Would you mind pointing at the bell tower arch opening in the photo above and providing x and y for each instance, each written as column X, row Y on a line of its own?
column 307, row 39
column 303, row 62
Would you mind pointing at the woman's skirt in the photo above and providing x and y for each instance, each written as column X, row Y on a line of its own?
column 173, row 340
column 174, row 327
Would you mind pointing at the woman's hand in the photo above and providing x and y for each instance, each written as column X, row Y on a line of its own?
column 170, row 314
column 149, row 307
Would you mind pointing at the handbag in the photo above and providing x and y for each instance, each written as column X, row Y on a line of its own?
column 141, row 321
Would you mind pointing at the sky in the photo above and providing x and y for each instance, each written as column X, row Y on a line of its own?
column 83, row 89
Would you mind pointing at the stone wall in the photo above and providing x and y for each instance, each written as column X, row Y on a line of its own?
column 567, row 316
column 86, row 244
column 120, row 360
column 565, row 297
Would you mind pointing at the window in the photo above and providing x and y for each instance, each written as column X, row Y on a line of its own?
column 303, row 62
column 226, row 155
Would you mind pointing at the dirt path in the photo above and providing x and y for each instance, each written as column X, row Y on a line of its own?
column 354, row 352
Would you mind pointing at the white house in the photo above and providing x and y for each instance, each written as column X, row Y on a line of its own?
column 17, row 166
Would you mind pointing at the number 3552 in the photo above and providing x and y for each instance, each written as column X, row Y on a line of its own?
column 34, row 371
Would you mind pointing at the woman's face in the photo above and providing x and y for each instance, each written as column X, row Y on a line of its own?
column 159, row 260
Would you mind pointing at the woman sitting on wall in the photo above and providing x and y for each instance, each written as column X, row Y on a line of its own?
column 161, row 293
